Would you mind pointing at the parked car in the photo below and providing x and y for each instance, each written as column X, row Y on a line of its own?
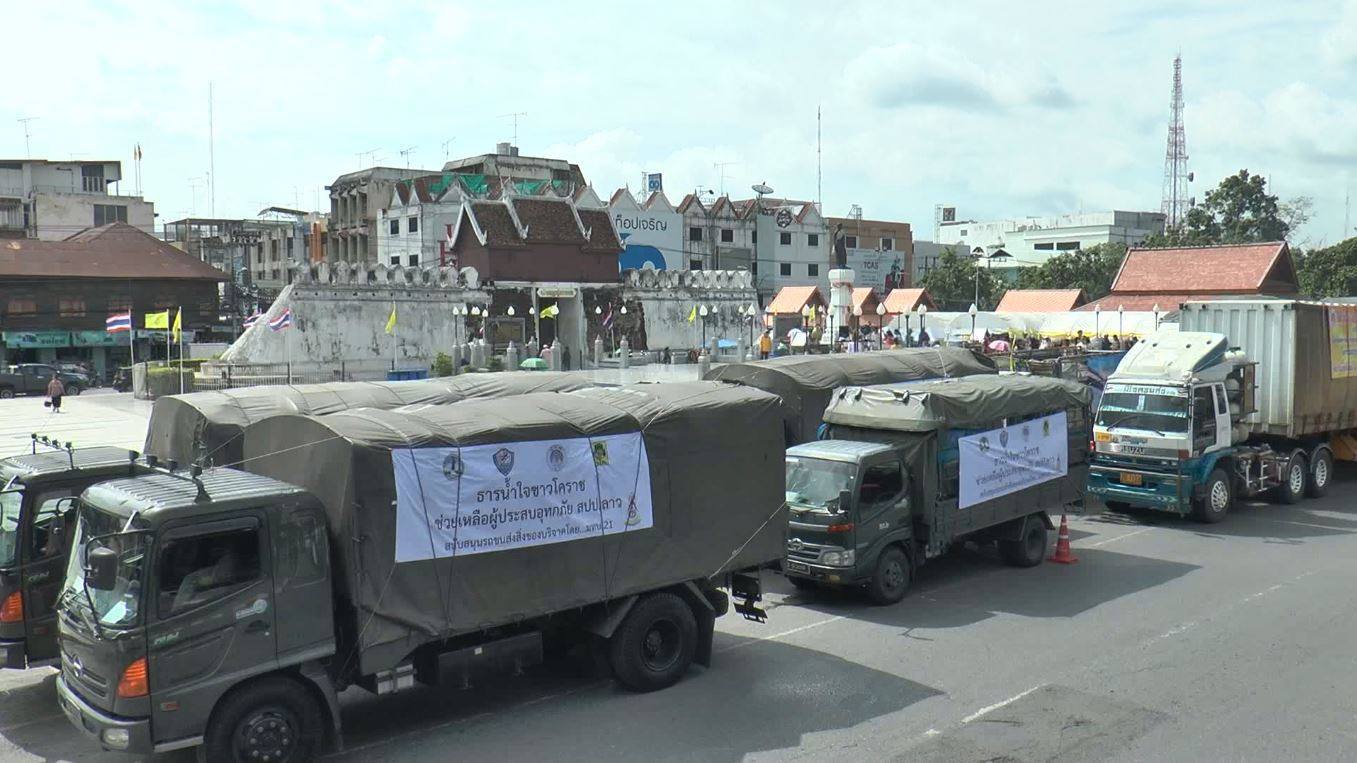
column 32, row 379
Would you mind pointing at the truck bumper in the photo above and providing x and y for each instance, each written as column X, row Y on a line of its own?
column 1159, row 491
column 111, row 733
column 12, row 655
column 820, row 573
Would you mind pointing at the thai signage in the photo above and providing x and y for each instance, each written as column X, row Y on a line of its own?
column 880, row 270
column 32, row 339
column 1342, row 341
column 486, row 498
column 1008, row 459
column 651, row 236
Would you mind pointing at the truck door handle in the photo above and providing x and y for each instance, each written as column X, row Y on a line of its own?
column 258, row 626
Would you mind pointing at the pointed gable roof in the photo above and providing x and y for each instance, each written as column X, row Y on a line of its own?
column 599, row 228
column 901, row 301
column 545, row 220
column 689, row 200
column 586, row 198
column 1171, row 276
column 622, row 198
column 658, row 201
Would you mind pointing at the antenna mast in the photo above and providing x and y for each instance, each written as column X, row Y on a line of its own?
column 28, row 151
column 819, row 177
column 1175, row 202
column 211, row 155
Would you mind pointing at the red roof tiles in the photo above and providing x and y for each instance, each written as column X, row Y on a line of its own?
column 1235, row 268
column 901, row 301
column 1040, row 300
column 117, row 250
column 791, row 299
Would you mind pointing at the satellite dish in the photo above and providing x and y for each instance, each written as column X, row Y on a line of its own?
column 762, row 189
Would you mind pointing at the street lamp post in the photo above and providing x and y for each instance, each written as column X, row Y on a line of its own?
column 880, row 326
column 1121, row 324
column 1156, row 316
column 972, row 311
column 922, row 310
column 857, row 313
column 1097, row 323
column 702, row 311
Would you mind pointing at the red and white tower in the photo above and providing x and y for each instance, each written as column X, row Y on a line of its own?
column 1176, row 177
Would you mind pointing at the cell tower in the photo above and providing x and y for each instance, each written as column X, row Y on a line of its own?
column 1176, row 176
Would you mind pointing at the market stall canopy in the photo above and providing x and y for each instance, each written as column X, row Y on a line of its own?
column 804, row 382
column 900, row 301
column 791, row 299
column 972, row 402
column 205, row 427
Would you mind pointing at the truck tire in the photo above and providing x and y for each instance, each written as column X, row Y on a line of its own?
column 73, row 390
column 891, row 578
column 654, row 645
column 1217, row 498
column 1321, row 473
column 271, row 719
column 1294, row 477
column 1030, row 549
column 6, row 393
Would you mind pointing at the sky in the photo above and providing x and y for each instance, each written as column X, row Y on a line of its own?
column 999, row 109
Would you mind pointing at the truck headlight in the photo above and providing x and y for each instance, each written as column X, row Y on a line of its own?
column 116, row 738
column 837, row 558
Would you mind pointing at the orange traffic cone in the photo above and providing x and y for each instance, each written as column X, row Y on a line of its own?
column 1062, row 544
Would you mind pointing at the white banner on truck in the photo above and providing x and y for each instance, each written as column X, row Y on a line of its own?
column 483, row 498
column 1006, row 460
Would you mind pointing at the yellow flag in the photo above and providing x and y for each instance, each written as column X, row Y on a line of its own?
column 391, row 322
column 178, row 323
column 159, row 320
column 550, row 311
column 692, row 314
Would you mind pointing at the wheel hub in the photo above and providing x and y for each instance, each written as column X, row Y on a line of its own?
column 894, row 575
column 1297, row 478
column 1220, row 496
column 1321, row 473
column 266, row 737
column 660, row 647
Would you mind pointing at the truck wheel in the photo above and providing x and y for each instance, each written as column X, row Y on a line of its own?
column 1030, row 549
column 1217, row 498
column 273, row 719
column 1294, row 475
column 1321, row 473
column 73, row 390
column 654, row 646
column 6, row 393
column 891, row 579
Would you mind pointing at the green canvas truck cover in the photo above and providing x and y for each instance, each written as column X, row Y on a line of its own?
column 974, row 402
column 804, row 382
column 205, row 427
column 468, row 516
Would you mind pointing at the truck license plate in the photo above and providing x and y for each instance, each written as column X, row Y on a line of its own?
column 1129, row 478
column 797, row 567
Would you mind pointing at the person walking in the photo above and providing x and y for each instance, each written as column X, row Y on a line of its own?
column 55, row 389
column 765, row 344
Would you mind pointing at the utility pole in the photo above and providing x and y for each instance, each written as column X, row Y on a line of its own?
column 28, row 151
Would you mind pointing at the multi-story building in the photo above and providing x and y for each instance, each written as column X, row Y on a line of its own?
column 507, row 163
column 288, row 236
column 1016, row 243
column 356, row 201
column 926, row 256
column 781, row 241
column 243, row 249
column 51, row 200
column 880, row 252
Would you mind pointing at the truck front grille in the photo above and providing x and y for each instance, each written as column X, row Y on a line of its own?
column 801, row 551
column 83, row 676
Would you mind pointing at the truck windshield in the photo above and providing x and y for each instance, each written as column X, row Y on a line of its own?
column 120, row 606
column 10, row 502
column 1135, row 410
column 816, row 482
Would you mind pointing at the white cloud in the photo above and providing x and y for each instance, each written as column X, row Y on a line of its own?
column 907, row 74
column 1340, row 44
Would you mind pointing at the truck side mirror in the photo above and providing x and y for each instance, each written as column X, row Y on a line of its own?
column 101, row 569
column 845, row 497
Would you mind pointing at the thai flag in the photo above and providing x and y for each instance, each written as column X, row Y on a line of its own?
column 253, row 319
column 608, row 319
column 282, row 321
column 118, row 323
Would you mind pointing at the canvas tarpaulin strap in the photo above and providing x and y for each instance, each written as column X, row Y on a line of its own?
column 973, row 402
column 714, row 460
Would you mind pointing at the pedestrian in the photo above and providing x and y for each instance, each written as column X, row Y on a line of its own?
column 55, row 390
column 765, row 344
column 924, row 339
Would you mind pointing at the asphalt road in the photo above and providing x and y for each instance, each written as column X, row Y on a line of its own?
column 1169, row 640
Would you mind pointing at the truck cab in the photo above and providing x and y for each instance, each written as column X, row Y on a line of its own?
column 169, row 610
column 849, row 504
column 37, row 511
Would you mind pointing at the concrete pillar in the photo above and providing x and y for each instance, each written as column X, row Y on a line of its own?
column 511, row 357
column 712, row 347
column 741, row 348
column 598, row 352
column 556, row 351
column 703, row 365
column 456, row 358
column 625, row 357
column 477, row 354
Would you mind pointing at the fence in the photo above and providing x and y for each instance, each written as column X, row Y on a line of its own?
column 217, row 375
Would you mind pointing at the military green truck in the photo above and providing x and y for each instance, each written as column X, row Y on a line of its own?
column 910, row 469
column 37, row 504
column 226, row 609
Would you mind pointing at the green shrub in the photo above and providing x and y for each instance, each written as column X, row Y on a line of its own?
column 495, row 364
column 442, row 365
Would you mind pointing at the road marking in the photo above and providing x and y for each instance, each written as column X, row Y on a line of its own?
column 1190, row 624
column 991, row 708
column 1115, row 539
column 781, row 635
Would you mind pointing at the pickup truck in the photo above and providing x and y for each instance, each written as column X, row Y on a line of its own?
column 32, row 379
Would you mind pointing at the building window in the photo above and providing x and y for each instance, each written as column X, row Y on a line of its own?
column 21, row 306
column 964, row 231
column 887, row 244
column 1046, row 247
column 727, row 235
column 109, row 213
column 850, row 242
column 694, row 264
column 813, row 269
column 412, row 225
column 275, row 275
column 812, row 239
column 1066, row 246
column 755, row 237
column 72, row 308
column 289, row 248
column 394, row 226
column 273, row 250
column 694, row 234
column 784, row 238
column 412, row 260
column 784, row 268
column 395, row 260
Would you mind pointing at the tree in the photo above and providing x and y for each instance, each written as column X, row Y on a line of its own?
column 1328, row 272
column 953, row 282
column 1092, row 269
column 1238, row 211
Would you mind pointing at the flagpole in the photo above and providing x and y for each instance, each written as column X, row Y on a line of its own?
column 179, row 324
